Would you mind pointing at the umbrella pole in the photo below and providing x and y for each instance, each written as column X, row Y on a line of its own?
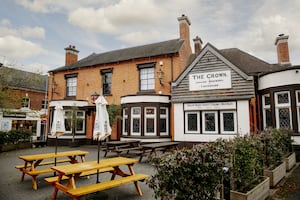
column 55, row 153
column 99, row 143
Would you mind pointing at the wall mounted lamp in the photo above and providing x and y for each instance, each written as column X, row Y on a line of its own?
column 94, row 96
column 160, row 76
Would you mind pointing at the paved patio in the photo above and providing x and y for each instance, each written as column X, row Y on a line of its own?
column 11, row 188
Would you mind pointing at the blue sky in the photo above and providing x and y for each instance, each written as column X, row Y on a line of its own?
column 34, row 33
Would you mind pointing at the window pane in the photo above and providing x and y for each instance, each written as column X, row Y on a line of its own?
column 147, row 78
column 283, row 98
column 71, row 86
column 192, row 122
column 284, row 118
column 136, row 111
column 136, row 125
column 210, row 122
column 267, row 100
column 228, row 120
column 126, row 125
column 106, row 82
column 79, row 125
column 163, row 125
column 298, row 95
column 150, row 125
column 268, row 118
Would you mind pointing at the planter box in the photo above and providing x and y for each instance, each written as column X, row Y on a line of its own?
column 259, row 192
column 276, row 174
column 8, row 147
column 290, row 161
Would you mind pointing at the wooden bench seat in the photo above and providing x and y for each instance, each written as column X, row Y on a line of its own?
column 52, row 180
column 81, row 191
column 44, row 163
column 40, row 171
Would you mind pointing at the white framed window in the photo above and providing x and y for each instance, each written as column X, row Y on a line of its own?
column 228, row 122
column 164, row 121
column 135, row 121
column 192, row 122
column 125, row 121
column 267, row 119
column 79, row 121
column 209, row 122
column 283, row 110
column 147, row 78
column 298, row 107
column 71, row 86
column 150, row 121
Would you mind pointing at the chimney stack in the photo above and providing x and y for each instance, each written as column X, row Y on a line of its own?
column 184, row 28
column 71, row 54
column 197, row 44
column 282, row 49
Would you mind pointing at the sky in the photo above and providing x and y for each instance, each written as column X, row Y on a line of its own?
column 34, row 33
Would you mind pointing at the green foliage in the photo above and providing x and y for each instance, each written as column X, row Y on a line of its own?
column 247, row 162
column 14, row 136
column 277, row 143
column 114, row 112
column 187, row 174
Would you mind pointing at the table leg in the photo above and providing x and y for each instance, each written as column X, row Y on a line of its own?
column 34, row 184
column 137, row 187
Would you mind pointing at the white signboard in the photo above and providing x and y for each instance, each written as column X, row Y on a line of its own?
column 210, row 80
column 210, row 106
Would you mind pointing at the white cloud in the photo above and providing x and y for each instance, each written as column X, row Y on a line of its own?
column 140, row 37
column 25, row 31
column 15, row 47
column 117, row 18
column 36, row 32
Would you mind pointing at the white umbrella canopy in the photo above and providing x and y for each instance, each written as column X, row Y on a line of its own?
column 102, row 127
column 58, row 124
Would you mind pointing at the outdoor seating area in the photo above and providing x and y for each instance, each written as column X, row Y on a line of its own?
column 138, row 148
column 64, row 174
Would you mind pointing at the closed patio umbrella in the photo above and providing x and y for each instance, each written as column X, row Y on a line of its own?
column 102, row 127
column 58, row 124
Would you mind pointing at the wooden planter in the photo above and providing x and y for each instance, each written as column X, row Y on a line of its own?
column 290, row 161
column 8, row 147
column 259, row 192
column 276, row 174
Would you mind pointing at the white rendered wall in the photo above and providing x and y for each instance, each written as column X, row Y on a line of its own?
column 243, row 126
column 282, row 78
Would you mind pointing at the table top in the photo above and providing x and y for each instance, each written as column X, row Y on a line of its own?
column 160, row 144
column 122, row 142
column 91, row 165
column 53, row 155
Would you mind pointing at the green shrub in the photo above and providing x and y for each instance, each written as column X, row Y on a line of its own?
column 246, row 164
column 14, row 136
column 187, row 174
column 273, row 147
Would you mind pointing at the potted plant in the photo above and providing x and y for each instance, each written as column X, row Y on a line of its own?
column 288, row 150
column 273, row 150
column 246, row 170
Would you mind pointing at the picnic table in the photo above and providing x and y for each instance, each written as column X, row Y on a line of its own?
column 32, row 162
column 121, row 146
column 152, row 148
column 112, row 165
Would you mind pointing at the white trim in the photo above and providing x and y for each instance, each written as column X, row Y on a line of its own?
column 186, row 121
column 125, row 116
column 166, row 117
column 203, row 122
column 282, row 105
column 298, row 107
column 145, row 98
column 150, row 116
column 68, row 103
column 135, row 116
column 222, row 122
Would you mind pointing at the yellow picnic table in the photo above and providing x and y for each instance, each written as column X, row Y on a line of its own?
column 31, row 162
column 72, row 172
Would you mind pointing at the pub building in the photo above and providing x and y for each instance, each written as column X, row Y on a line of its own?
column 228, row 92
